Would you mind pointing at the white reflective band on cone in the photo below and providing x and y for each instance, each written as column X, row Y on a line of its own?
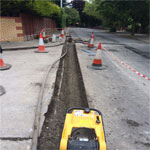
column 91, row 41
column 43, row 34
column 41, row 41
column 53, row 38
column 98, row 55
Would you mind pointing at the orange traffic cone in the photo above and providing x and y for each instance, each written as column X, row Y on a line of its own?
column 1, row 62
column 98, row 58
column 91, row 44
column 62, row 33
column 97, row 62
column 3, row 66
column 41, row 48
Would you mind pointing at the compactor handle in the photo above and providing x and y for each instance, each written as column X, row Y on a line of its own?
column 87, row 110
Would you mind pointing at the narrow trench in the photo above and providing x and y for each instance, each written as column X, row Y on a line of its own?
column 72, row 94
column 15, row 138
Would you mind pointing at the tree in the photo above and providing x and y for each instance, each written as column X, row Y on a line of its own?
column 10, row 8
column 58, row 2
column 123, row 13
column 72, row 16
column 78, row 5
column 109, row 13
column 90, row 9
column 46, row 8
column 93, row 18
column 43, row 8
column 138, row 13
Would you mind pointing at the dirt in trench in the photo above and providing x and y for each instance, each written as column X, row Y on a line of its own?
column 72, row 94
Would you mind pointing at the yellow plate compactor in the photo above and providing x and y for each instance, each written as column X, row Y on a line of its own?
column 83, row 130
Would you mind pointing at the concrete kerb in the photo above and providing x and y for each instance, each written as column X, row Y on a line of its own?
column 31, row 47
column 41, row 52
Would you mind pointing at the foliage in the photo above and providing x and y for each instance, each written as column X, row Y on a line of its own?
column 91, row 16
column 46, row 8
column 90, row 9
column 124, row 13
column 91, row 13
column 37, row 7
column 110, row 14
column 120, row 14
column 57, row 1
column 89, row 21
column 10, row 8
column 63, row 21
column 78, row 5
column 72, row 16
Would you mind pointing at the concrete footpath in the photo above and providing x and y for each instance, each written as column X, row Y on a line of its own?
column 22, row 84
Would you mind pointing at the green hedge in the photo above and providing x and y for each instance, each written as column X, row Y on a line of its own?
column 43, row 8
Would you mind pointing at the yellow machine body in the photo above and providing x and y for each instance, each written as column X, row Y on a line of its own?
column 79, row 119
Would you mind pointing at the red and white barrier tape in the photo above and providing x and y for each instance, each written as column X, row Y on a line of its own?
column 129, row 67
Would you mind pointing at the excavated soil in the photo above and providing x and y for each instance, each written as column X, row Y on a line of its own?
column 71, row 94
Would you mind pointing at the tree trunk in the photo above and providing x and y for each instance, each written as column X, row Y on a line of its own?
column 133, row 28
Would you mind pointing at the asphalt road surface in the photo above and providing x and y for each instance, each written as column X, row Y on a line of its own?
column 118, row 91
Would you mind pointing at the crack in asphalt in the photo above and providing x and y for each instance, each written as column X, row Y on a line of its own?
column 144, row 54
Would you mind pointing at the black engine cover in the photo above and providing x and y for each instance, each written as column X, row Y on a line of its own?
column 83, row 145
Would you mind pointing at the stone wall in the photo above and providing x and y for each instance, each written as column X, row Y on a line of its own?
column 11, row 29
column 25, row 27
